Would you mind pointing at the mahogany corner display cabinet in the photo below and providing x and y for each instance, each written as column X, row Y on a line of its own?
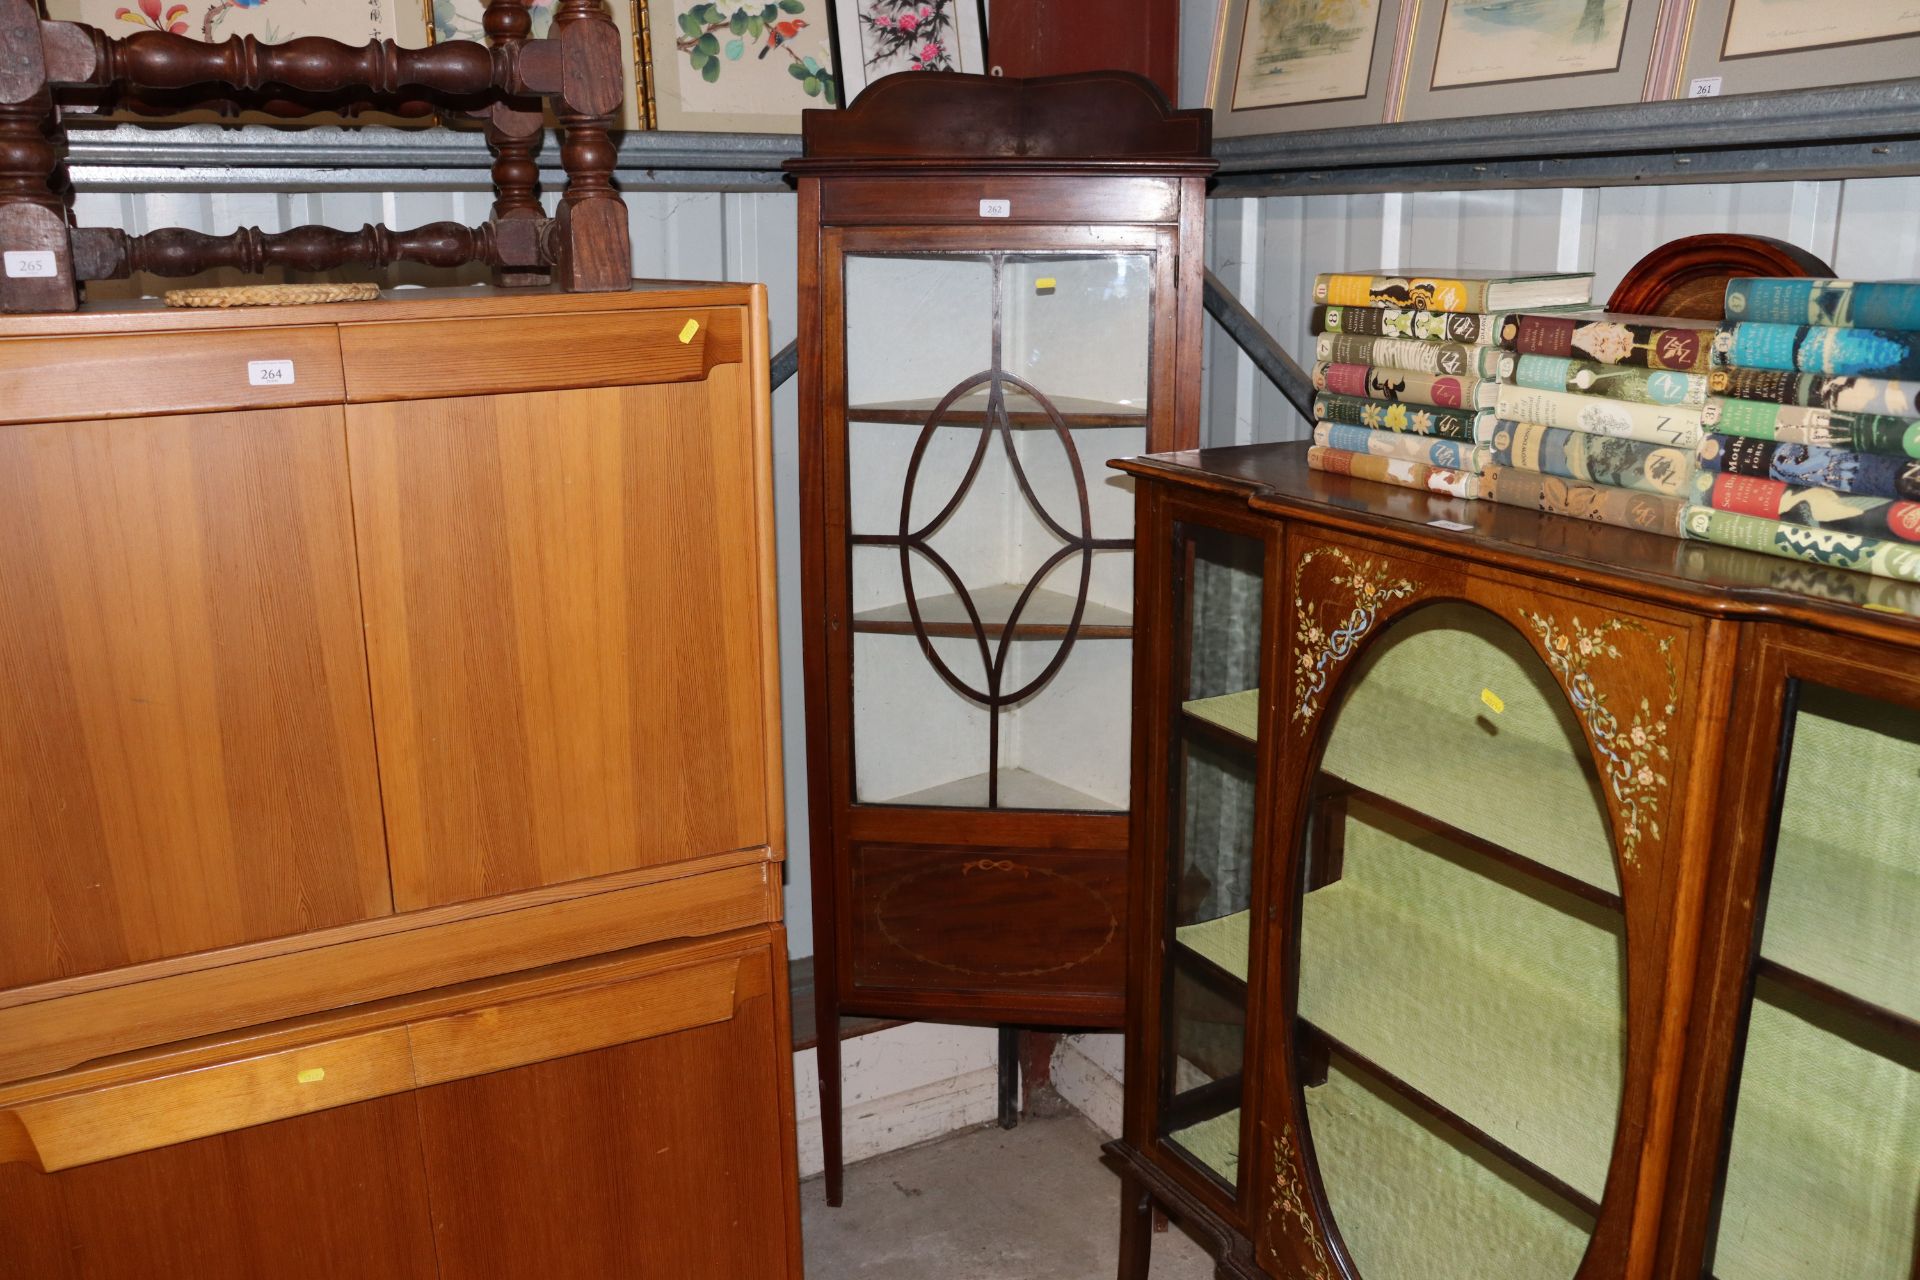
column 390, row 792
column 1000, row 284
column 1516, row 898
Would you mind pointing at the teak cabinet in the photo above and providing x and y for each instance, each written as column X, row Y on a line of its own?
column 1517, row 899
column 990, row 309
column 390, row 805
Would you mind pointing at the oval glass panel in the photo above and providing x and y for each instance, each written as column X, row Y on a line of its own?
column 1461, row 1030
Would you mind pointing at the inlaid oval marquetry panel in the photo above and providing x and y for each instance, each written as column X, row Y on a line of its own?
column 961, row 917
column 1461, row 1032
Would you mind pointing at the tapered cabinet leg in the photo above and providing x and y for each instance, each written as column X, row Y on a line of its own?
column 827, row 1057
column 1136, row 1229
column 1009, row 1077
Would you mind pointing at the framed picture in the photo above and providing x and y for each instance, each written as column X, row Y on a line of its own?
column 270, row 21
column 1303, row 64
column 874, row 38
column 1490, row 57
column 739, row 66
column 462, row 20
column 1749, row 46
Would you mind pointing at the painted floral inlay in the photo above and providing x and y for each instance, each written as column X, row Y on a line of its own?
column 1290, row 1198
column 1634, row 756
column 1319, row 647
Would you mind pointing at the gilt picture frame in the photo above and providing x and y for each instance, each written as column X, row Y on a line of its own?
column 736, row 66
column 1752, row 46
column 1498, row 57
column 1278, row 68
column 875, row 38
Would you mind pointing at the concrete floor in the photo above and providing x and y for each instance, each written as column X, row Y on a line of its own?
column 1033, row 1203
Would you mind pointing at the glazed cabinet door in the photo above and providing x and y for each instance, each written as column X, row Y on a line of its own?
column 565, row 611
column 186, row 749
column 1203, row 803
column 1471, row 888
column 1801, row 1149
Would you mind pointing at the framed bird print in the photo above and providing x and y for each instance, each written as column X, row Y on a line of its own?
column 737, row 66
column 874, row 38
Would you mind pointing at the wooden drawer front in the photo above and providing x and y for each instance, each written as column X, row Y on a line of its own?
column 1029, row 200
column 141, row 375
column 431, row 1047
column 1012, row 921
column 186, row 743
column 424, row 360
column 564, row 627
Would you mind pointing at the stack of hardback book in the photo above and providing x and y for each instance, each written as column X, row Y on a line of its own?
column 1598, row 416
column 1406, row 371
column 1812, row 449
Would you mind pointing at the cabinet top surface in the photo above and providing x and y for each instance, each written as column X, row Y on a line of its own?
column 151, row 315
column 1275, row 479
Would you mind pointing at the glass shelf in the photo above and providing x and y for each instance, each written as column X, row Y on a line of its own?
column 1046, row 615
column 1022, row 411
column 1019, row 789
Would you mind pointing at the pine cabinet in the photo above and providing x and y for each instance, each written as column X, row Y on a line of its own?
column 390, row 802
column 1519, row 898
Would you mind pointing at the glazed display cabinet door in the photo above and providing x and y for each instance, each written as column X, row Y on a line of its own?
column 1469, row 1037
column 1821, row 1159
column 1218, row 580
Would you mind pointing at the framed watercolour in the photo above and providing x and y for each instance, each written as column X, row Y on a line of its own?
column 1492, row 57
column 461, row 20
column 874, row 38
column 1283, row 65
column 742, row 66
column 1750, row 46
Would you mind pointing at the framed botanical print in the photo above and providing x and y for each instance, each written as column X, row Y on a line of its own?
column 1750, row 46
column 1491, row 57
column 1303, row 64
column 737, row 67
column 463, row 20
column 874, row 38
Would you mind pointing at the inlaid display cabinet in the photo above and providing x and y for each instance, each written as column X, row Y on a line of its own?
column 1000, row 290
column 1516, row 898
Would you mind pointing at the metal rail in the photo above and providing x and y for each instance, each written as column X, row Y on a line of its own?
column 1261, row 347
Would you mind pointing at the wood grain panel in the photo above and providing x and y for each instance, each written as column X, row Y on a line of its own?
column 186, row 755
column 564, row 631
column 75, row 379
column 52, row 1035
column 423, row 360
column 659, row 1158
column 913, row 199
column 314, row 1198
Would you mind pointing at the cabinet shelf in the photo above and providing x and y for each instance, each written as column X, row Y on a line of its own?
column 1215, row 1143
column 1022, row 411
column 1046, row 616
column 1335, row 787
column 1019, row 789
column 1845, row 1001
column 1221, row 943
column 1237, row 714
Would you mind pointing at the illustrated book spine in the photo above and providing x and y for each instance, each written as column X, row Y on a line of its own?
column 1584, row 500
column 1651, row 423
column 1455, row 454
column 1377, row 382
column 1604, row 341
column 1883, row 353
column 1853, row 394
column 1880, row 556
column 1475, row 328
column 1811, row 505
column 1829, row 428
column 1413, row 354
column 1412, row 293
column 1841, row 470
column 1845, row 304
column 1378, row 415
column 1615, row 382
column 1399, row 471
column 1576, row 455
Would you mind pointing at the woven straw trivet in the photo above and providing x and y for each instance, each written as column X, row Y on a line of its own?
column 272, row 295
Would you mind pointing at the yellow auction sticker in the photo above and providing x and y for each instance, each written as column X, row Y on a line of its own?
column 1493, row 700
column 686, row 333
column 312, row 1075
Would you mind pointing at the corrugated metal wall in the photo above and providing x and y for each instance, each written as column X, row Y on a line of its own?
column 1266, row 250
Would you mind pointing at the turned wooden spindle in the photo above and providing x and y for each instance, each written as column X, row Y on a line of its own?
column 514, row 129
column 159, row 60
column 175, row 251
column 588, row 242
column 36, row 273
